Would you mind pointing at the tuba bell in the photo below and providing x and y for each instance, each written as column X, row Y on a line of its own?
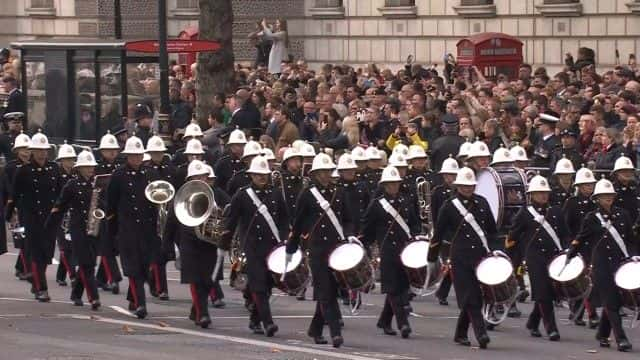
column 160, row 192
column 195, row 206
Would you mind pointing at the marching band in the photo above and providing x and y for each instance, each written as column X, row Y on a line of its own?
column 473, row 223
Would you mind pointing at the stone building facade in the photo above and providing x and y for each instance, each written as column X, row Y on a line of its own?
column 360, row 31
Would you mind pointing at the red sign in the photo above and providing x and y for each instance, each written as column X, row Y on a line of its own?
column 173, row 46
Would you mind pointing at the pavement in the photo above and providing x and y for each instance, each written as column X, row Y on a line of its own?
column 58, row 330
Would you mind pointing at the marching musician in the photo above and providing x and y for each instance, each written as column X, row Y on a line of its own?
column 439, row 195
column 355, row 190
column 132, row 220
column 467, row 222
column 540, row 232
column 418, row 165
column 193, row 151
column 501, row 158
column 22, row 157
column 519, row 156
column 76, row 199
column 308, row 153
column 609, row 229
column 109, row 274
column 216, row 294
column 241, row 178
column 562, row 181
column 463, row 152
column 392, row 222
column 479, row 156
column 271, row 158
column 374, row 167
column 198, row 257
column 576, row 209
column 166, row 171
column 323, row 219
column 192, row 131
column 625, row 184
column 260, row 216
column 230, row 163
column 35, row 189
column 360, row 157
column 66, row 160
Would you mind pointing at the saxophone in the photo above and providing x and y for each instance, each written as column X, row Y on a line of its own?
column 423, row 191
column 95, row 214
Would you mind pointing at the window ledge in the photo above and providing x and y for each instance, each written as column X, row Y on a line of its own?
column 185, row 12
column 475, row 11
column 569, row 9
column 327, row 12
column 634, row 7
column 41, row 11
column 398, row 11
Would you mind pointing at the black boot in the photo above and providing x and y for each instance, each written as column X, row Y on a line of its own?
column 141, row 312
column 204, row 322
column 624, row 345
column 77, row 301
column 405, row 331
column 554, row 336
column 95, row 304
column 43, row 296
column 271, row 330
column 464, row 341
column 337, row 341
column 483, row 341
column 256, row 328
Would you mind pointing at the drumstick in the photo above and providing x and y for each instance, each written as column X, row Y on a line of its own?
column 566, row 263
column 284, row 272
column 217, row 268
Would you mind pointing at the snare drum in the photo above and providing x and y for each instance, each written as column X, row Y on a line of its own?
column 572, row 283
column 506, row 191
column 414, row 260
column 297, row 275
column 497, row 281
column 351, row 266
column 628, row 281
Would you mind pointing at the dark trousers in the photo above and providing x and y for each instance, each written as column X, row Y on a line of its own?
column 216, row 292
column 610, row 320
column 86, row 282
column 326, row 312
column 543, row 310
column 66, row 266
column 261, row 310
column 445, row 287
column 199, row 294
column 21, row 263
column 578, row 308
column 394, row 305
column 158, row 278
column 136, row 294
column 471, row 314
column 108, row 271
column 39, row 279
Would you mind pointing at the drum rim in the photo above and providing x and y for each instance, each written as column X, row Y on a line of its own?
column 289, row 267
column 555, row 258
column 498, row 182
column 492, row 257
column 406, row 248
column 615, row 275
column 363, row 252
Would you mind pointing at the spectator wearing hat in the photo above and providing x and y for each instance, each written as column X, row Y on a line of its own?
column 16, row 101
column 568, row 150
column 448, row 143
column 546, row 140
column 14, row 124
column 143, row 115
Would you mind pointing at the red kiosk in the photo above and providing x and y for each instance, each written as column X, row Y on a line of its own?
column 493, row 54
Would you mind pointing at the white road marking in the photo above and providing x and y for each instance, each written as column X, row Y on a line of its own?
column 10, row 253
column 239, row 340
column 275, row 317
column 34, row 300
column 121, row 311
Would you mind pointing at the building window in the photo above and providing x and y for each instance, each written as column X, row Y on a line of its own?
column 476, row 8
column 187, row 4
column 327, row 9
column 186, row 8
column 41, row 8
column 634, row 6
column 399, row 9
column 560, row 8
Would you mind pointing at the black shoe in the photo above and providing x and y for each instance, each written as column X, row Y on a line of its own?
column 271, row 330
column 18, row 273
column 337, row 341
column 579, row 322
column 61, row 283
column 604, row 342
column 554, row 336
column 163, row 296
column 523, row 296
column 219, row 304
column 535, row 333
column 405, row 331
column 43, row 296
column 302, row 297
column 115, row 288
column 388, row 330
column 141, row 312
column 95, row 304
column 105, row 287
column 483, row 341
column 594, row 322
column 320, row 340
column 514, row 312
column 490, row 326
column 341, row 323
column 204, row 322
column 464, row 341
column 256, row 328
column 77, row 301
column 443, row 301
column 624, row 345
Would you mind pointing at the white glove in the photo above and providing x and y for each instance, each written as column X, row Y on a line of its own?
column 499, row 253
column 421, row 238
column 287, row 259
column 353, row 239
column 221, row 253
column 635, row 258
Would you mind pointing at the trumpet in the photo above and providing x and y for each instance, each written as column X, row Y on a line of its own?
column 195, row 206
column 160, row 192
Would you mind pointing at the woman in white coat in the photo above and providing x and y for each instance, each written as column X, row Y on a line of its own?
column 279, row 49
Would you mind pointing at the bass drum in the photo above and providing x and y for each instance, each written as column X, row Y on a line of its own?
column 297, row 273
column 351, row 267
column 506, row 191
column 628, row 281
column 571, row 282
column 497, row 281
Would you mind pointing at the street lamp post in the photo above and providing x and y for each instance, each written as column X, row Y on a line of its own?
column 163, row 57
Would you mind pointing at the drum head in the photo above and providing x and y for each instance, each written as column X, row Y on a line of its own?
column 627, row 276
column 414, row 255
column 488, row 188
column 345, row 257
column 572, row 271
column 494, row 270
column 277, row 258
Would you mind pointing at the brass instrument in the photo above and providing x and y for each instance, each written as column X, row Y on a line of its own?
column 160, row 192
column 100, row 183
column 276, row 178
column 195, row 206
column 423, row 191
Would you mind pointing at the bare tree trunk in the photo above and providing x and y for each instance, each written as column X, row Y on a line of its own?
column 215, row 71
